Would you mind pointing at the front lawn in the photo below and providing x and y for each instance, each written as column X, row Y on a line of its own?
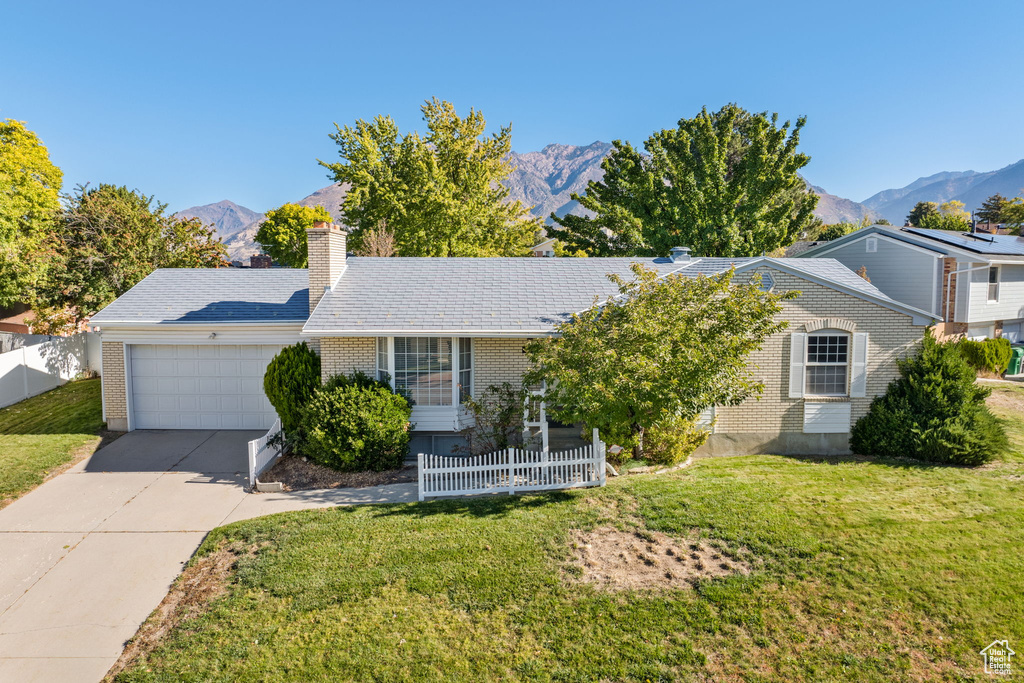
column 44, row 432
column 861, row 571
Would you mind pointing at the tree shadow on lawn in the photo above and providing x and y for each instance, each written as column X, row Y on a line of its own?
column 903, row 463
column 488, row 505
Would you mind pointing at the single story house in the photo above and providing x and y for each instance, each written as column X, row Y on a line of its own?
column 187, row 348
column 973, row 282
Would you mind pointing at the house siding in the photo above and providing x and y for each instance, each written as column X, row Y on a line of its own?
column 900, row 271
column 1011, row 294
column 115, row 400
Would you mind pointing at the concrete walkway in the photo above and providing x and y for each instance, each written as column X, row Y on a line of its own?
column 87, row 556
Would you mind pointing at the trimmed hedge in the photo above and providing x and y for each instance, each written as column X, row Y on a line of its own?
column 991, row 355
column 356, row 423
column 291, row 379
column 935, row 411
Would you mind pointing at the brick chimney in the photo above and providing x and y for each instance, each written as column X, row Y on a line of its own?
column 325, row 248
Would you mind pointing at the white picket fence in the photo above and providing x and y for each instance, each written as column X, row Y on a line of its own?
column 512, row 470
column 262, row 453
column 31, row 370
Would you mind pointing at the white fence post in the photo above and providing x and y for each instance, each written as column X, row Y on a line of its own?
column 261, row 454
column 419, row 465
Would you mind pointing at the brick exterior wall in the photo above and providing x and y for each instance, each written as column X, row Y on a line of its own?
column 115, row 401
column 497, row 361
column 343, row 355
column 326, row 250
column 891, row 335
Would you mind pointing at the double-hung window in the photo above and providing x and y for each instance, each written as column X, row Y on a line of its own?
column 993, row 283
column 828, row 356
column 431, row 371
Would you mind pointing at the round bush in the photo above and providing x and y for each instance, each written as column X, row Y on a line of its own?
column 354, row 428
column 290, row 381
column 935, row 411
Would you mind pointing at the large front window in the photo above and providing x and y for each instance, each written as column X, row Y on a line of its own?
column 827, row 361
column 431, row 371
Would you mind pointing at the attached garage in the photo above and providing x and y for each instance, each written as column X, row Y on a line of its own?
column 200, row 386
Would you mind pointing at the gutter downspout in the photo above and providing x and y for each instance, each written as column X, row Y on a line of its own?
column 949, row 285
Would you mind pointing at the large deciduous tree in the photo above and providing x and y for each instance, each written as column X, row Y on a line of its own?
column 949, row 216
column 282, row 234
column 109, row 238
column 664, row 348
column 723, row 183
column 29, row 201
column 440, row 194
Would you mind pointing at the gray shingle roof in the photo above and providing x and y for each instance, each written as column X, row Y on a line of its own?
column 503, row 295
column 213, row 295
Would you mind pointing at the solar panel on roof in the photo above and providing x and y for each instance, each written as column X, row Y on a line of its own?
column 978, row 242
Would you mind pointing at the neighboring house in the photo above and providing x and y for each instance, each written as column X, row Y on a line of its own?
column 545, row 248
column 973, row 282
column 188, row 348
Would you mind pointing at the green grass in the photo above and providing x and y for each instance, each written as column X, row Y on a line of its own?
column 44, row 432
column 1007, row 402
column 868, row 571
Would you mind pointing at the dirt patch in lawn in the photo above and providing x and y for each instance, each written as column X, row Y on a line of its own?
column 1009, row 401
column 616, row 560
column 203, row 579
column 299, row 474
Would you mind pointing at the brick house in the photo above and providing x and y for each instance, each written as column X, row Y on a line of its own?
column 187, row 349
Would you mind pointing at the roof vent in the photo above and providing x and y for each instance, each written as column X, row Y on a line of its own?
column 678, row 254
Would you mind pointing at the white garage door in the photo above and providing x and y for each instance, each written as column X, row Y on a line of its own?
column 200, row 386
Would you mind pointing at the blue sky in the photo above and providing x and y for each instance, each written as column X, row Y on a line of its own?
column 200, row 101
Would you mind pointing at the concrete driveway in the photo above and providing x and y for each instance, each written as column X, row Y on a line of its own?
column 87, row 556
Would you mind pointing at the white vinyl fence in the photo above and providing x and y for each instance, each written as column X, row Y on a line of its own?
column 31, row 370
column 262, row 453
column 512, row 470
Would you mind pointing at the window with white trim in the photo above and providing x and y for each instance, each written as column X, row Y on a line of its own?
column 993, row 283
column 827, row 363
column 465, row 368
column 426, row 368
column 871, row 245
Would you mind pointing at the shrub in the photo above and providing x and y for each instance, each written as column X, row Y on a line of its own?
column 935, row 411
column 355, row 425
column 673, row 441
column 498, row 420
column 291, row 379
column 990, row 355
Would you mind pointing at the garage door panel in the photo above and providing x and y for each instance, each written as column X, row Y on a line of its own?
column 202, row 386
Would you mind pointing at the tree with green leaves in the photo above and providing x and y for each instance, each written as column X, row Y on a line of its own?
column 920, row 211
column 29, row 202
column 663, row 348
column 991, row 210
column 724, row 184
column 109, row 238
column 282, row 234
column 949, row 216
column 440, row 194
column 1013, row 214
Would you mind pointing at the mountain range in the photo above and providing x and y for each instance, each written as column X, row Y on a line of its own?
column 546, row 180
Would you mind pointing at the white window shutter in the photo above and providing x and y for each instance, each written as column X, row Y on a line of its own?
column 859, row 366
column 797, row 354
